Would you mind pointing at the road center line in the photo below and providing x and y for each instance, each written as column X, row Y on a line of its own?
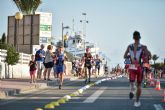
column 158, row 107
column 94, row 96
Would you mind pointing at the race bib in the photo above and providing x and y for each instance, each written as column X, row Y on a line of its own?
column 132, row 67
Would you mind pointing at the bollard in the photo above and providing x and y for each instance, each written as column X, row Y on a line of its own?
column 80, row 91
column 49, row 106
column 68, row 97
column 61, row 101
column 55, row 104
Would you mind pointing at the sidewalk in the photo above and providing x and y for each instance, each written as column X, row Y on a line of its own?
column 10, row 87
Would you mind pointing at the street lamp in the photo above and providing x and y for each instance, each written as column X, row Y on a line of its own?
column 63, row 27
column 18, row 17
column 84, row 21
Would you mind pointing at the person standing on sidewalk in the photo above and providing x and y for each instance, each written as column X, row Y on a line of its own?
column 60, row 66
column 88, row 65
column 39, row 57
column 48, row 62
column 32, row 70
column 134, row 52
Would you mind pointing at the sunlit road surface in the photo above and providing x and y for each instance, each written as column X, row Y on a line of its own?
column 109, row 95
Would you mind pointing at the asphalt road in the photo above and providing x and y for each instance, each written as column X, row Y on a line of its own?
column 109, row 95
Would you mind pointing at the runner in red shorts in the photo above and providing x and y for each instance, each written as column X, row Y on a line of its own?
column 134, row 53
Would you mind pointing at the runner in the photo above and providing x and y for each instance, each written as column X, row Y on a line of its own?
column 80, row 68
column 127, row 62
column 93, row 63
column 88, row 65
column 60, row 67
column 118, row 69
column 134, row 52
column 146, row 56
column 97, row 67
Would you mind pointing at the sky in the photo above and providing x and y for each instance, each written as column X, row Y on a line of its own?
column 111, row 22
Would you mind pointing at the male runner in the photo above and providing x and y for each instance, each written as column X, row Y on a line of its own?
column 134, row 52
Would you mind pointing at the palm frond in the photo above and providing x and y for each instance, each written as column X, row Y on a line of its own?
column 27, row 6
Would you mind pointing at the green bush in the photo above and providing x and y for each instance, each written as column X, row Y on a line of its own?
column 12, row 56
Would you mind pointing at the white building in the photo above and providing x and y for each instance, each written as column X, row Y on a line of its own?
column 77, row 48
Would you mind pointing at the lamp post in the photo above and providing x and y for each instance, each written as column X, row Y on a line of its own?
column 84, row 21
column 63, row 27
column 18, row 17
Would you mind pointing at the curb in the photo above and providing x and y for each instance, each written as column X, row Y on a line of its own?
column 6, row 92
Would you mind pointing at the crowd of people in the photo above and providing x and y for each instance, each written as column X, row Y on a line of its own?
column 137, row 67
column 117, row 70
column 46, row 60
column 86, row 66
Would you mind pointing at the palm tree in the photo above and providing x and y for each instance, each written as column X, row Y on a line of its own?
column 27, row 6
column 154, row 58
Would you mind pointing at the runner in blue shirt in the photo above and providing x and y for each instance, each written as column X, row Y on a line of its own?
column 60, row 67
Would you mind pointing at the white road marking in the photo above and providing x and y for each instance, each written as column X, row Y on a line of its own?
column 158, row 107
column 94, row 96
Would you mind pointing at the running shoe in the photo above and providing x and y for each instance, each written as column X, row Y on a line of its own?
column 137, row 104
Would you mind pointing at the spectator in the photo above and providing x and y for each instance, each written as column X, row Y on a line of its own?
column 48, row 62
column 39, row 58
column 33, row 67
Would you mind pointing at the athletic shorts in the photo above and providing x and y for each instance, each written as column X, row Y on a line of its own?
column 59, row 69
column 40, row 65
column 49, row 65
column 136, row 75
